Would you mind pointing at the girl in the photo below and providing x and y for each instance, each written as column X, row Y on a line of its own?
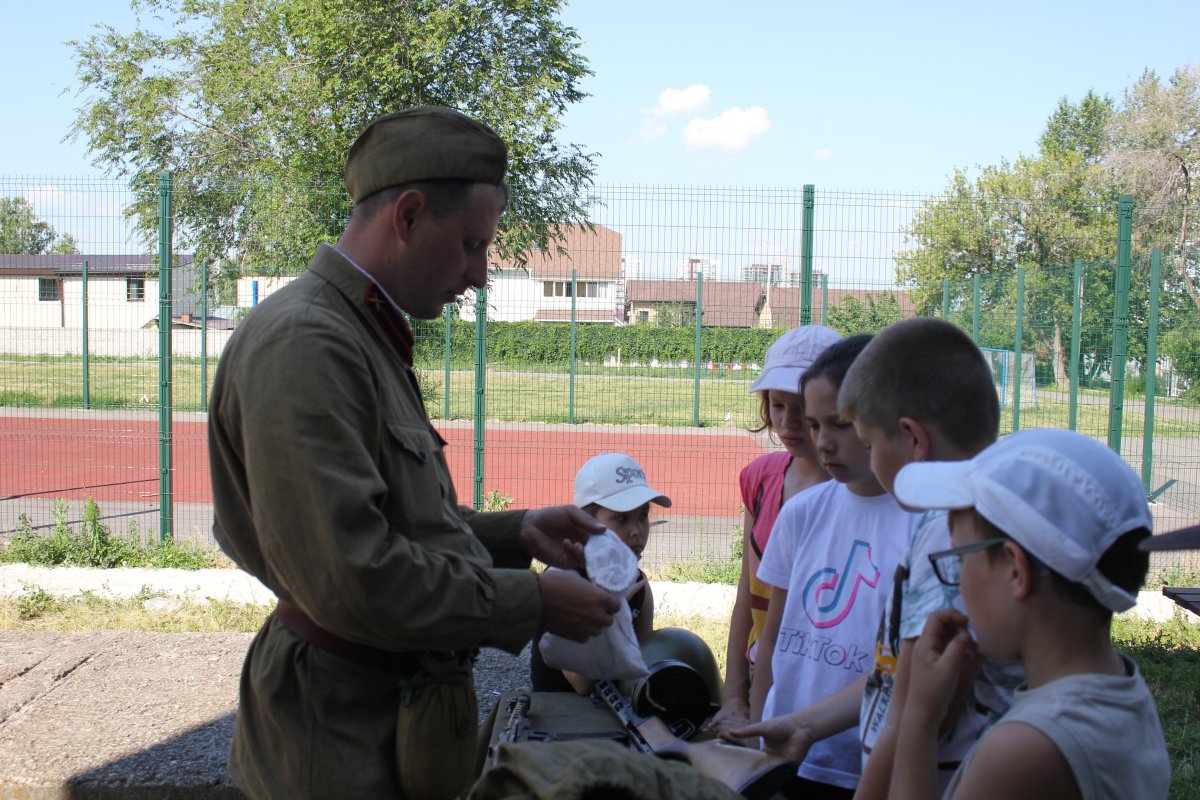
column 829, row 560
column 766, row 483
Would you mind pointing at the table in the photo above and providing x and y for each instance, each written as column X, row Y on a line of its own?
column 1187, row 597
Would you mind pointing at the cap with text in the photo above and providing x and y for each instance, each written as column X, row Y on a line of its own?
column 423, row 144
column 616, row 482
column 1061, row 495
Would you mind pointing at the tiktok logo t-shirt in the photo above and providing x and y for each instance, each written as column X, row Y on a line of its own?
column 835, row 553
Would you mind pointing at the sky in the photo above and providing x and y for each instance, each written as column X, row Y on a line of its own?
column 856, row 95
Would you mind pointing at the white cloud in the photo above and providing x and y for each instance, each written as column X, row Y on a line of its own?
column 731, row 131
column 824, row 153
column 673, row 103
column 691, row 100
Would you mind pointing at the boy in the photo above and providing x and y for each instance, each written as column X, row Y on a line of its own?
column 1045, row 527
column 920, row 391
column 612, row 488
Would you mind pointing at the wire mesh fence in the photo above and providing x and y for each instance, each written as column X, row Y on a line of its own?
column 638, row 333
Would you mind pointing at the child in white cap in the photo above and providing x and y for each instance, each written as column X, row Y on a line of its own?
column 1045, row 527
column 766, row 483
column 612, row 487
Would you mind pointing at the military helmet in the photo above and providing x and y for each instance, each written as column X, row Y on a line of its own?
column 683, row 683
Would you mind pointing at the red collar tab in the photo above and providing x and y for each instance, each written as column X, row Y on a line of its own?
column 394, row 326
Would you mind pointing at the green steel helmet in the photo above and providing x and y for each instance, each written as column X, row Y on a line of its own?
column 683, row 683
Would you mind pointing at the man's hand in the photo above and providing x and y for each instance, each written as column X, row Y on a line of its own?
column 573, row 607
column 944, row 651
column 555, row 535
column 783, row 735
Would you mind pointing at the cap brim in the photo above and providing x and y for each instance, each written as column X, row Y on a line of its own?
column 632, row 498
column 934, row 485
column 781, row 379
column 1182, row 539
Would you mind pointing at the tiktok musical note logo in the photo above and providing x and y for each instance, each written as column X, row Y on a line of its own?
column 828, row 597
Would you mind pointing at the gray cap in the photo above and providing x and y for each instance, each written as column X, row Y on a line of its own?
column 422, row 144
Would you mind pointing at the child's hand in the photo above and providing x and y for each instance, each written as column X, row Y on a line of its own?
column 780, row 735
column 944, row 651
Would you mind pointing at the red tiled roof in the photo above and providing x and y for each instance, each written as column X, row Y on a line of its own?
column 594, row 254
column 785, row 302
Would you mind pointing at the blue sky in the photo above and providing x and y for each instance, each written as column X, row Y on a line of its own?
column 865, row 95
column 858, row 95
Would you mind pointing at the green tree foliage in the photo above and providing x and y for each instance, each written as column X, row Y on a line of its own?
column 851, row 316
column 252, row 104
column 22, row 232
column 1045, row 211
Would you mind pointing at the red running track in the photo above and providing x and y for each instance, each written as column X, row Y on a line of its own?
column 93, row 455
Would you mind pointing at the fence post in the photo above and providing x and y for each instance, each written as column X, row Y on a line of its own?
column 806, row 255
column 1019, row 350
column 87, row 392
column 1076, row 313
column 204, row 336
column 166, row 515
column 824, row 298
column 571, row 380
column 1116, row 389
column 975, row 308
column 699, row 322
column 945, row 298
column 446, row 315
column 1151, row 367
column 480, row 390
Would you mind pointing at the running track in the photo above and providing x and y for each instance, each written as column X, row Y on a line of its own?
column 106, row 456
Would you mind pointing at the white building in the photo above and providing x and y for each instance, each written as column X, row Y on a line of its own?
column 542, row 289
column 688, row 268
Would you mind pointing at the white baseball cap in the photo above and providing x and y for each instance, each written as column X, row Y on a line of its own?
column 1061, row 495
column 790, row 355
column 616, row 482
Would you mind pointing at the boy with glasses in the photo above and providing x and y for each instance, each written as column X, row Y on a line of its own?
column 1045, row 528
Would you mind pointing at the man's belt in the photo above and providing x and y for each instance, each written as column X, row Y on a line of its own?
column 301, row 626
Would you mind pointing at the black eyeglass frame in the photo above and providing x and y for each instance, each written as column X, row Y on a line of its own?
column 973, row 547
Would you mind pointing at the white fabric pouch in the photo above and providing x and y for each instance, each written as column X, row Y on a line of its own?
column 614, row 653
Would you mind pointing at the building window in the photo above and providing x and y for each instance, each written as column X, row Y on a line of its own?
column 49, row 289
column 563, row 288
column 135, row 289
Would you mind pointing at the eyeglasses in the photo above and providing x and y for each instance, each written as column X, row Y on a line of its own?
column 947, row 564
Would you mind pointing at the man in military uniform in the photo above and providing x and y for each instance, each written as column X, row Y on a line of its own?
column 330, row 486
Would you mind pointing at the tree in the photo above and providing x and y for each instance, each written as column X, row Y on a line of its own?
column 1155, row 140
column 851, row 315
column 22, row 232
column 252, row 104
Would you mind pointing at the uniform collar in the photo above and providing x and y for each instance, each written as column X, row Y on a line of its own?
column 383, row 308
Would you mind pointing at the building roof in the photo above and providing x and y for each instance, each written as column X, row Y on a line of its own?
column 46, row 265
column 733, row 304
column 785, row 302
column 594, row 255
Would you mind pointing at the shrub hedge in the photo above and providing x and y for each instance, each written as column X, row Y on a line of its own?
column 529, row 342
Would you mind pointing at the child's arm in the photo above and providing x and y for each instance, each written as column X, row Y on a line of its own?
column 936, row 661
column 793, row 735
column 763, row 677
column 581, row 683
column 735, row 699
column 644, row 624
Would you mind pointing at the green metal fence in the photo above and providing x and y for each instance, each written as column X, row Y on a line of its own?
column 640, row 333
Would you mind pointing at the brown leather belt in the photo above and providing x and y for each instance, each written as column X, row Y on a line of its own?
column 302, row 627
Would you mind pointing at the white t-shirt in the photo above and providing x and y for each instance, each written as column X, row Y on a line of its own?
column 1105, row 726
column 914, row 594
column 835, row 553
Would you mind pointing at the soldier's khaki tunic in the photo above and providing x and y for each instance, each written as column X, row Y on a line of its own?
column 331, row 487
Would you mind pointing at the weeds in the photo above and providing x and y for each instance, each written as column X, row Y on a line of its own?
column 94, row 544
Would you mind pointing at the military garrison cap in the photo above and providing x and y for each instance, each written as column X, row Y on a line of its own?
column 421, row 144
